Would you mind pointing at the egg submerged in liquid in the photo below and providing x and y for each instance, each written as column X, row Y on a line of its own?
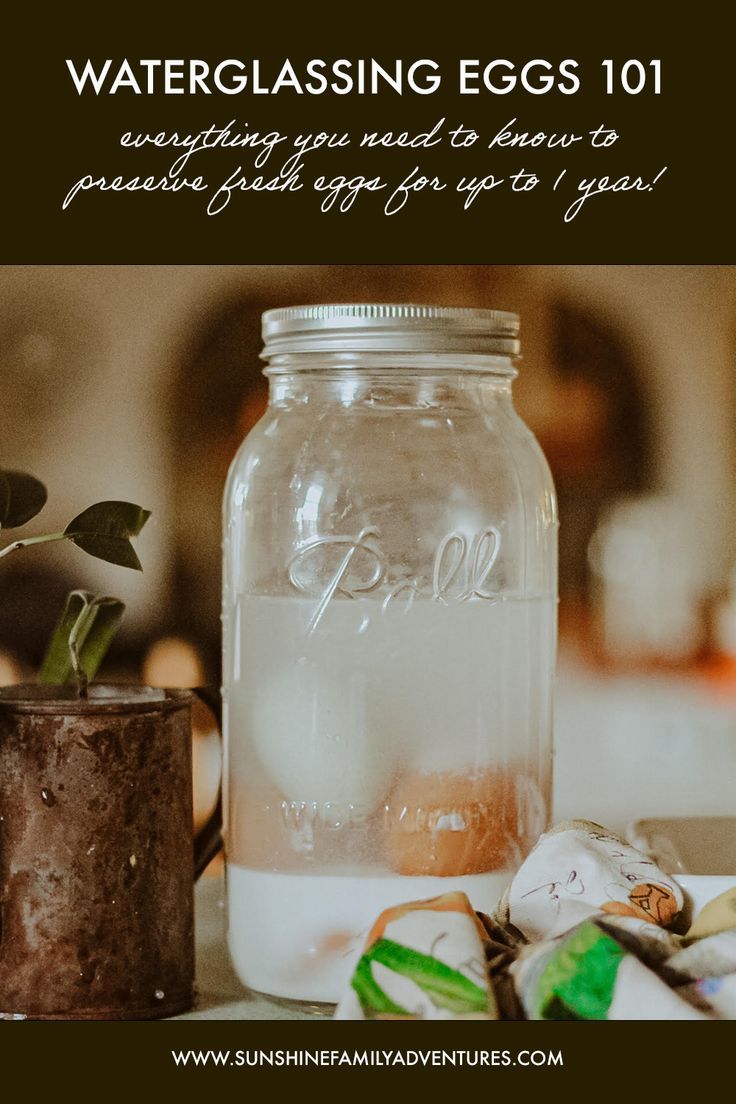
column 313, row 735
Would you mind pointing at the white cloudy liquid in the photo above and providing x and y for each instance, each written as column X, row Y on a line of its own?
column 298, row 936
column 351, row 742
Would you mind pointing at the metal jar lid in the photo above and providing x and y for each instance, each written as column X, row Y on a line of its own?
column 389, row 327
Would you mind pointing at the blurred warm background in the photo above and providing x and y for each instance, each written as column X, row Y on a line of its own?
column 139, row 382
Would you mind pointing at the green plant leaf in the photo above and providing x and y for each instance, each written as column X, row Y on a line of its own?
column 22, row 496
column 57, row 667
column 104, row 530
column 81, row 638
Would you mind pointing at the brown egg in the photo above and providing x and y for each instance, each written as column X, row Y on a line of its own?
column 449, row 824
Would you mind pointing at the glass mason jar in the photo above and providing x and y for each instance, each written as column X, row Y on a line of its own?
column 389, row 633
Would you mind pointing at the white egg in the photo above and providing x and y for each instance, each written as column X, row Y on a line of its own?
column 312, row 731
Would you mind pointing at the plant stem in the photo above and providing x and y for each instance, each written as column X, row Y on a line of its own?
column 77, row 636
column 31, row 540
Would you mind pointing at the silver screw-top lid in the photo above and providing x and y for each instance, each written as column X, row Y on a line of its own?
column 390, row 327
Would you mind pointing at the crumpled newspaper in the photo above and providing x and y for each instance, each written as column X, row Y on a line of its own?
column 424, row 960
column 589, row 929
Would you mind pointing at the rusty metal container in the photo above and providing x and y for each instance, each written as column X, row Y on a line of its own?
column 96, row 855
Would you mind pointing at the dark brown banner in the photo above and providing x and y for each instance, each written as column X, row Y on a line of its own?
column 525, row 134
